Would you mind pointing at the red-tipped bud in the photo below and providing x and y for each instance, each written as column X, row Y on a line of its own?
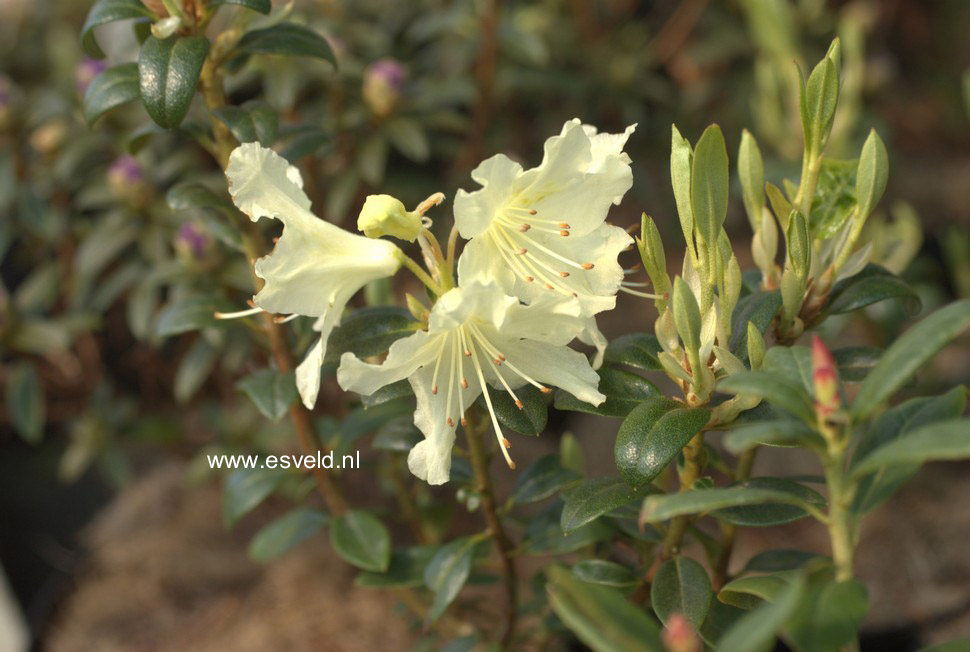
column 825, row 379
column 679, row 636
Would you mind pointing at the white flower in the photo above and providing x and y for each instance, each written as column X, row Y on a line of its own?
column 316, row 267
column 543, row 231
column 477, row 334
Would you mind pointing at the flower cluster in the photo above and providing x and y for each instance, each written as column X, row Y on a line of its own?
column 539, row 264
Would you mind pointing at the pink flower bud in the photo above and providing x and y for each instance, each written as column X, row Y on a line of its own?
column 85, row 72
column 383, row 84
column 679, row 636
column 825, row 379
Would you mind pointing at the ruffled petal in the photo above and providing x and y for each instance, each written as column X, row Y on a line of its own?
column 404, row 358
column 474, row 211
column 552, row 318
column 554, row 365
column 484, row 301
column 593, row 336
column 308, row 371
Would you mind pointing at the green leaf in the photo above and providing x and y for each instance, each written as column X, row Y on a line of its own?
column 756, row 630
column 681, row 157
column 605, row 573
column 409, row 138
column 681, row 586
column 720, row 618
column 781, row 432
column 908, row 353
column 595, row 497
column 400, row 389
column 285, row 532
column 687, row 316
column 370, row 331
column 245, row 489
column 530, row 420
column 709, row 184
column 169, row 72
column 288, row 39
column 872, row 175
column 751, row 171
column 256, row 123
column 749, row 592
column 108, row 11
column 653, row 435
column 110, row 89
column 770, row 514
column 624, row 391
column 447, row 573
column 779, row 559
column 361, row 540
column 637, row 350
column 799, row 244
column 835, row 198
column 194, row 367
column 399, row 434
column 270, row 391
column 601, row 617
column 855, row 362
column 772, row 387
column 829, row 616
column 26, row 405
column 943, row 440
column 818, row 101
column 544, row 535
column 262, row 6
column 701, row 501
column 780, row 206
column 405, row 570
column 758, row 308
column 872, row 285
column 187, row 314
column 542, row 479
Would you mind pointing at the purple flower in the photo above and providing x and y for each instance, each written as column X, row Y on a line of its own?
column 383, row 82
column 85, row 72
column 192, row 240
column 124, row 170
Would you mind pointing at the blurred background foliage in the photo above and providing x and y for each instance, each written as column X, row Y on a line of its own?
column 108, row 263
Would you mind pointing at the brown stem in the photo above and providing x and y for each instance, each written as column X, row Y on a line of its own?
column 729, row 531
column 214, row 96
column 476, row 450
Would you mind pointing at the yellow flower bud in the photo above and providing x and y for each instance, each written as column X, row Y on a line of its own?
column 384, row 215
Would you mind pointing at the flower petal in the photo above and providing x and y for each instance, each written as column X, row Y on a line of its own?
column 474, row 211
column 593, row 336
column 404, row 358
column 554, row 365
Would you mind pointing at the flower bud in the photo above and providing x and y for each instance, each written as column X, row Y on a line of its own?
column 192, row 243
column 679, row 636
column 127, row 181
column 825, row 379
column 385, row 215
column 85, row 72
column 383, row 83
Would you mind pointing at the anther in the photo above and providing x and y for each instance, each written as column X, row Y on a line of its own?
column 518, row 404
column 545, row 390
column 531, row 211
column 434, row 389
column 564, row 274
column 587, row 266
column 468, row 353
column 464, row 383
column 525, row 227
column 563, row 225
column 451, row 424
column 501, row 357
column 250, row 303
column 464, row 421
column 497, row 362
column 564, row 233
column 529, row 279
column 506, row 443
column 549, row 287
column 522, row 251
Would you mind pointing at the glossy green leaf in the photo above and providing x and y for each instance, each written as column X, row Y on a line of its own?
column 544, row 535
column 872, row 285
column 361, row 540
column 835, row 198
column 530, row 420
column 778, row 559
column 400, row 389
column 244, row 489
column 108, row 11
column 601, row 617
column 653, row 435
column 799, row 243
column 605, row 573
column 541, row 479
column 943, row 440
column 687, row 315
column 720, row 618
column 270, row 391
column 781, row 432
column 624, row 391
column 681, row 586
column 908, row 353
column 169, row 72
column 194, row 367
column 399, row 434
column 596, row 497
column 370, row 331
column 255, row 123
column 872, row 174
column 818, row 100
column 749, row 592
column 855, row 362
column 405, row 570
column 709, row 184
column 188, row 314
column 780, row 206
column 26, row 405
column 447, row 573
column 110, row 89
column 758, row 308
column 262, row 6
column 702, row 501
column 829, row 616
column 681, row 160
column 287, row 39
column 756, row 631
column 285, row 532
column 769, row 514
column 409, row 138
column 778, row 390
column 751, row 171
column 637, row 350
